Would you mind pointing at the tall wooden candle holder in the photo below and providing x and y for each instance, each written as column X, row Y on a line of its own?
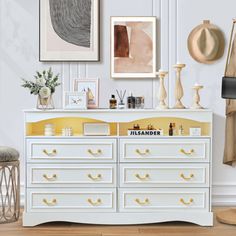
column 162, row 91
column 179, row 93
column 196, row 97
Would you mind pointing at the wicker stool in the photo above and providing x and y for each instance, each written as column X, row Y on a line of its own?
column 9, row 185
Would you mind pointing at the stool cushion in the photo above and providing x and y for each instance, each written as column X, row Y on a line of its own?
column 8, row 154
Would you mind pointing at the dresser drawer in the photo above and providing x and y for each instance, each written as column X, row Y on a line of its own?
column 83, row 150
column 66, row 175
column 164, row 150
column 71, row 200
column 151, row 200
column 164, row 175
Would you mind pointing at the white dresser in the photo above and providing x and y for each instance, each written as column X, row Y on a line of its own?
column 117, row 179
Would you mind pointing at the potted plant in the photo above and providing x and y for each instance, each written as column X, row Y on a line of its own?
column 44, row 87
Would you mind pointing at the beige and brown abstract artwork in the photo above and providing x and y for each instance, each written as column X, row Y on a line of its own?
column 133, row 51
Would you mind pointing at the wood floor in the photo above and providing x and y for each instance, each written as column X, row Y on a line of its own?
column 165, row 229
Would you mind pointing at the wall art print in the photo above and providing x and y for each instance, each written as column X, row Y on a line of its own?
column 133, row 47
column 69, row 30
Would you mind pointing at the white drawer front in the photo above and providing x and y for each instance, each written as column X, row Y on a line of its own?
column 84, row 150
column 165, row 150
column 164, row 175
column 67, row 200
column 151, row 200
column 66, row 175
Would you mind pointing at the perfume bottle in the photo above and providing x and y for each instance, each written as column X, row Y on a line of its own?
column 131, row 101
column 181, row 130
column 113, row 102
column 170, row 130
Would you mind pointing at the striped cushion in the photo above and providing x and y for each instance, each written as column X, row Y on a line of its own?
column 8, row 154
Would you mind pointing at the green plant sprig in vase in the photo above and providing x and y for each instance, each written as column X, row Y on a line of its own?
column 44, row 87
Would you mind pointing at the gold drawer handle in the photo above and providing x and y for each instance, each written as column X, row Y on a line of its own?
column 145, row 177
column 191, row 176
column 50, row 154
column 52, row 203
column 50, row 178
column 186, row 203
column 142, row 203
column 97, row 203
column 144, row 153
column 95, row 178
column 187, row 153
column 97, row 153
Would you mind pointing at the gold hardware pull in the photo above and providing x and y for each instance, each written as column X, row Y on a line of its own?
column 97, row 153
column 50, row 178
column 187, row 178
column 95, row 178
column 186, row 203
column 187, row 153
column 145, row 177
column 52, row 203
column 97, row 203
column 50, row 154
column 142, row 203
column 144, row 153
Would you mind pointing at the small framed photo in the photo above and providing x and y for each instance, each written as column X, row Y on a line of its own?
column 75, row 101
column 91, row 87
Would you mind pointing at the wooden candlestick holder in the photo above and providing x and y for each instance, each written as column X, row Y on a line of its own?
column 179, row 93
column 196, row 97
column 162, row 91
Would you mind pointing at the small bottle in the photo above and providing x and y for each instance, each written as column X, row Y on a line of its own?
column 131, row 102
column 170, row 130
column 174, row 129
column 113, row 102
column 181, row 130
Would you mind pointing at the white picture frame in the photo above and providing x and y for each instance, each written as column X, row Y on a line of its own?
column 59, row 42
column 91, row 86
column 122, row 56
column 75, row 100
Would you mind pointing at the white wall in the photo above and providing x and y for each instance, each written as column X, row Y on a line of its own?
column 19, row 58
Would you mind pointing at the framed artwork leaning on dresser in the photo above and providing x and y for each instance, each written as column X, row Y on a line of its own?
column 91, row 87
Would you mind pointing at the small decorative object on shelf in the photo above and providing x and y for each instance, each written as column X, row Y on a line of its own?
column 162, row 91
column 171, row 130
column 113, row 102
column 195, row 131
column 67, row 132
column 150, row 131
column 96, row 129
column 75, row 100
column 91, row 86
column 138, row 102
column 179, row 93
column 121, row 95
column 196, row 97
column 136, row 127
column 44, row 87
column 49, row 130
column 131, row 102
column 181, row 130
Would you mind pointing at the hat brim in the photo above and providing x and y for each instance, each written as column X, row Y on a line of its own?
column 221, row 48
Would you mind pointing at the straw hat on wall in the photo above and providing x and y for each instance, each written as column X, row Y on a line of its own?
column 206, row 43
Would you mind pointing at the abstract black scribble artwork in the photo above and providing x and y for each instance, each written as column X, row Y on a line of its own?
column 71, row 20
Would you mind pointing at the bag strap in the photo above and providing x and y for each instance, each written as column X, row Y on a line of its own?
column 230, row 45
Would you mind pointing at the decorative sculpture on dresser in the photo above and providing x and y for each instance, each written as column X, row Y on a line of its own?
column 179, row 93
column 162, row 90
column 196, row 97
